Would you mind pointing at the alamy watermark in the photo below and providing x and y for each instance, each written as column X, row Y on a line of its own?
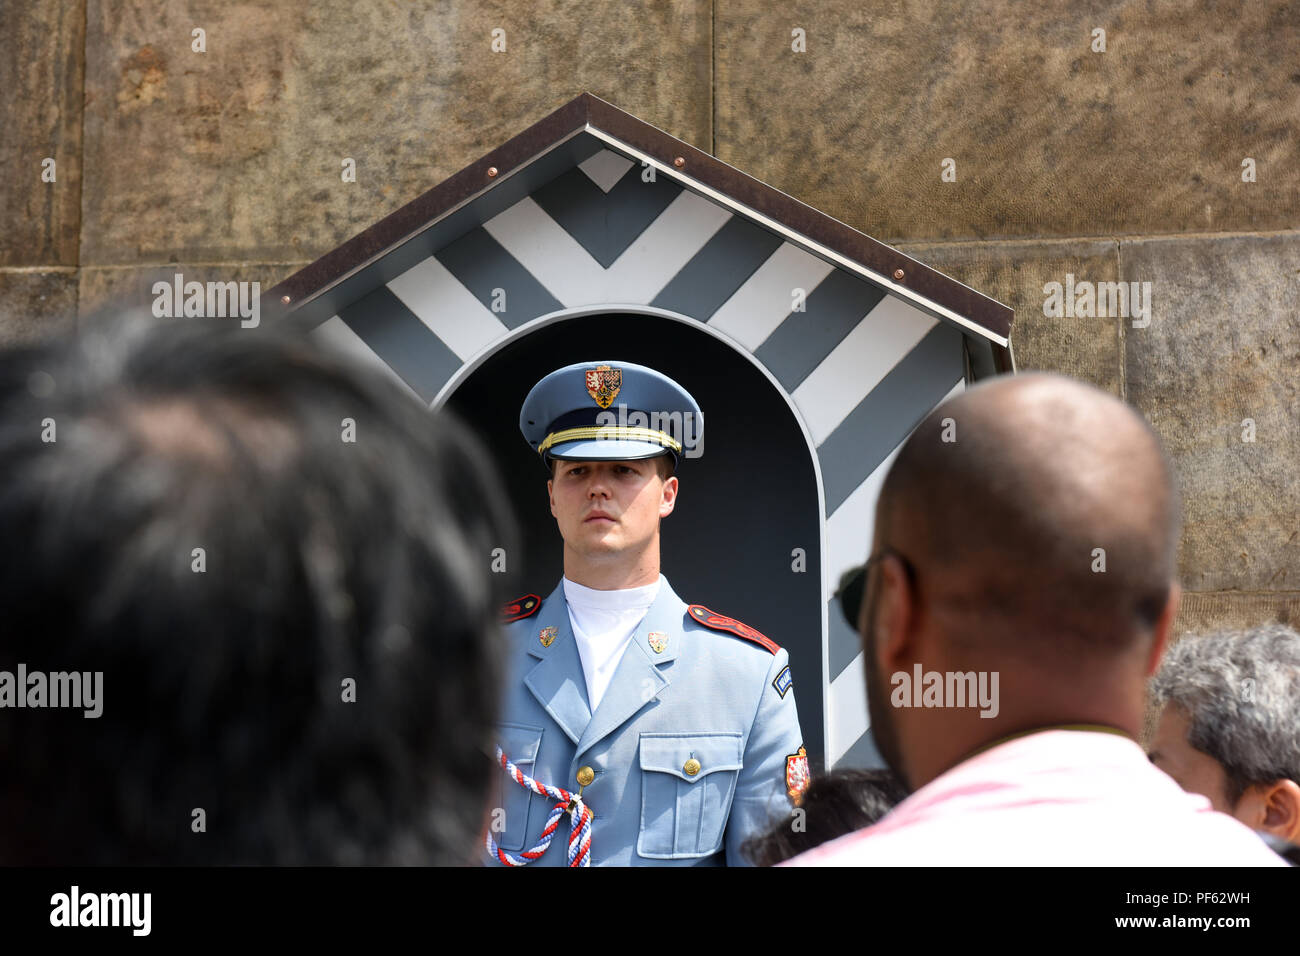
column 1086, row 300
column 211, row 300
column 686, row 428
column 946, row 689
column 75, row 908
column 75, row 689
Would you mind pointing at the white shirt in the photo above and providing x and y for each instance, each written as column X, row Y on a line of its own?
column 603, row 625
column 1052, row 798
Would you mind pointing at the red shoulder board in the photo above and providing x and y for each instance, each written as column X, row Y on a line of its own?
column 520, row 608
column 720, row 622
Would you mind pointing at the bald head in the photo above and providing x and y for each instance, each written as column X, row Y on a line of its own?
column 1035, row 505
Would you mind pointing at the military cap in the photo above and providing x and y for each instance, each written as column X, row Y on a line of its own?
column 610, row 411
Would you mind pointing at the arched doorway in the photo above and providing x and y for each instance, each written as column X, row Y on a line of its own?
column 745, row 538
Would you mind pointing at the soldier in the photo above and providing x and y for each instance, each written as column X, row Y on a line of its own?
column 637, row 730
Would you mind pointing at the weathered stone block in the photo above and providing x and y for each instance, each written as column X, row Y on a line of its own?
column 1015, row 273
column 36, row 305
column 1203, row 612
column 1218, row 374
column 238, row 153
column 1048, row 137
column 133, row 287
column 41, row 75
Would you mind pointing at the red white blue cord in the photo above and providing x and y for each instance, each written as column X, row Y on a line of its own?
column 579, row 827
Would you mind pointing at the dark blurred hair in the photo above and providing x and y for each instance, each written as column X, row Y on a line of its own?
column 834, row 804
column 326, row 560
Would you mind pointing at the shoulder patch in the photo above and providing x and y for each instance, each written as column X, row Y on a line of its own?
column 720, row 622
column 520, row 608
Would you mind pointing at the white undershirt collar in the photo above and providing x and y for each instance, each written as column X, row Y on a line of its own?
column 603, row 625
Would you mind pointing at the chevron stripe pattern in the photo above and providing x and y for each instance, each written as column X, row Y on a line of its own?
column 862, row 367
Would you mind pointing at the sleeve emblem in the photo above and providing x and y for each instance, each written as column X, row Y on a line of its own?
column 796, row 775
column 783, row 682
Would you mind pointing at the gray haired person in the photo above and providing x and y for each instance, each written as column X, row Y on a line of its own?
column 1229, row 725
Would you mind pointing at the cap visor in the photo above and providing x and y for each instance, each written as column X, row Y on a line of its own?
column 605, row 450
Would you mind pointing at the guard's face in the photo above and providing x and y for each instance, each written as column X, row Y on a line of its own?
column 608, row 507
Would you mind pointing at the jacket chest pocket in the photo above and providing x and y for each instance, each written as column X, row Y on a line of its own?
column 520, row 743
column 687, row 782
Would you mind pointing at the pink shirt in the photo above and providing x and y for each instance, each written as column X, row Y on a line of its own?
column 1051, row 798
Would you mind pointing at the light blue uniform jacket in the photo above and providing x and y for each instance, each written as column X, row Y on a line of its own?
column 709, row 695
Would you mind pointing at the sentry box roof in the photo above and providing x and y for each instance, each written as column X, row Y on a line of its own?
column 813, row 349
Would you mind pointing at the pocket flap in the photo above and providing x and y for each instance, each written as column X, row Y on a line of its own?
column 670, row 753
column 520, row 742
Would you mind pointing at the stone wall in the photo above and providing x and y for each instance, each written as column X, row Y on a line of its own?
column 1123, row 164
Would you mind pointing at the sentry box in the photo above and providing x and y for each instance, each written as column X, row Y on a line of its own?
column 812, row 349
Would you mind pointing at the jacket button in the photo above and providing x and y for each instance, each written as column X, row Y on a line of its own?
column 692, row 767
column 585, row 776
